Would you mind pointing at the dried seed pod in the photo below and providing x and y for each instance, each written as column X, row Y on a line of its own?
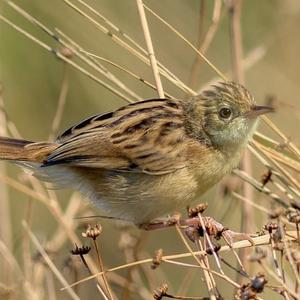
column 80, row 250
column 92, row 231
column 200, row 208
column 159, row 293
column 157, row 259
column 293, row 216
column 270, row 226
column 258, row 283
column 245, row 292
column 266, row 177
column 216, row 246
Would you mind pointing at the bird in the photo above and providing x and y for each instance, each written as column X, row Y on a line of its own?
column 148, row 158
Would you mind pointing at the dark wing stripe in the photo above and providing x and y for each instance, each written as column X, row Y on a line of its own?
column 106, row 119
column 84, row 123
column 141, row 137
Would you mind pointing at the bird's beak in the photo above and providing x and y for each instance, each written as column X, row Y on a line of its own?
column 257, row 110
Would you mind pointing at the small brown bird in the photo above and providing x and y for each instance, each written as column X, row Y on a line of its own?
column 148, row 158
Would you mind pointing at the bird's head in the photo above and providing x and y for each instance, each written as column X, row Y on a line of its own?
column 225, row 115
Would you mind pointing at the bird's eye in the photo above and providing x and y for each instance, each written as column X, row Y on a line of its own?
column 225, row 113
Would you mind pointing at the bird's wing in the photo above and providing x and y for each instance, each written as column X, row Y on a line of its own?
column 147, row 136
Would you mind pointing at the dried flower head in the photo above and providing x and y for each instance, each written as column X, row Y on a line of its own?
column 245, row 292
column 92, row 231
column 266, row 177
column 293, row 215
column 156, row 261
column 270, row 226
column 216, row 248
column 193, row 211
column 249, row 291
column 159, row 293
column 258, row 283
column 80, row 250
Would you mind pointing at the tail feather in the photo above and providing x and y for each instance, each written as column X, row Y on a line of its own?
column 30, row 156
column 22, row 150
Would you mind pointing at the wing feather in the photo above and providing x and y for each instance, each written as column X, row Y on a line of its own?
column 146, row 136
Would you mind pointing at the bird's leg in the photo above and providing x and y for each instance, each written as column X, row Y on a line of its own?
column 163, row 223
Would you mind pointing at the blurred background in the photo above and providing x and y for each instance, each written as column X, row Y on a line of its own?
column 34, row 82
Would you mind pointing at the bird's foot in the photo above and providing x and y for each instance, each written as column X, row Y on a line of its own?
column 197, row 225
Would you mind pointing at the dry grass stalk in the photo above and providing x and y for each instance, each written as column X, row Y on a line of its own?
column 151, row 54
column 280, row 157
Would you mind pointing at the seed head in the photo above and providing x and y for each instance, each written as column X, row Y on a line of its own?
column 92, row 231
column 81, row 250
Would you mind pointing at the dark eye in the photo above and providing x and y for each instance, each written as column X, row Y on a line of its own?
column 225, row 113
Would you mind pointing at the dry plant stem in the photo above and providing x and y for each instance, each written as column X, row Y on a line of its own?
column 208, row 38
column 11, row 260
column 5, row 212
column 286, row 178
column 92, row 62
column 257, row 241
column 202, row 11
column 149, row 44
column 279, row 280
column 288, row 253
column 289, row 162
column 257, row 185
column 63, row 58
column 275, row 260
column 290, row 145
column 235, row 7
column 54, row 208
column 252, row 58
column 107, row 287
column 163, row 70
column 27, row 259
column 209, row 279
column 105, row 73
column 207, row 238
column 203, row 263
column 188, row 43
column 135, row 76
column 134, row 277
column 113, row 26
column 49, row 261
column 61, row 103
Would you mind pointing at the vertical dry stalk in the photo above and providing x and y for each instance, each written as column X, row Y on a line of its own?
column 204, row 43
column 100, row 263
column 51, row 265
column 5, row 221
column 203, row 263
column 150, row 48
column 61, row 103
column 235, row 8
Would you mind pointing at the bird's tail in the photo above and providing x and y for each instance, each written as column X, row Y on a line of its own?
column 21, row 150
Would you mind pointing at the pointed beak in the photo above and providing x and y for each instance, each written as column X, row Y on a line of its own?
column 257, row 110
